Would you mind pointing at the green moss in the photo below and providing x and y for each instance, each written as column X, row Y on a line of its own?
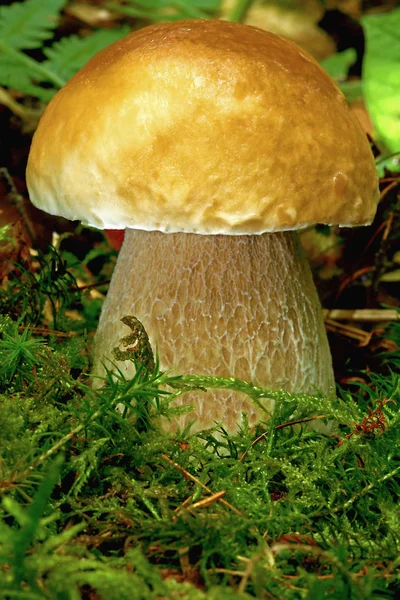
column 97, row 502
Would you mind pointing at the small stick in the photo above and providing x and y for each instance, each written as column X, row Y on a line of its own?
column 388, row 188
column 209, row 500
column 353, row 277
column 44, row 331
column 364, row 337
column 91, row 285
column 18, row 109
column 190, row 476
column 184, row 504
column 374, row 315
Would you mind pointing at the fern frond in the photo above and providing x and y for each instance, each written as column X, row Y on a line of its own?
column 71, row 53
column 27, row 24
column 15, row 75
column 168, row 10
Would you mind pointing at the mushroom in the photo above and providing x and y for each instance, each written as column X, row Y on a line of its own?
column 211, row 143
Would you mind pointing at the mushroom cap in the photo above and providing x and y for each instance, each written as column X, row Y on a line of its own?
column 206, row 127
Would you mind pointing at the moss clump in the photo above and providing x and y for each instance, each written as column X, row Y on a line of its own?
column 97, row 502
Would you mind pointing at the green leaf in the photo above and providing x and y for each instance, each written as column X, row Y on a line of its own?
column 338, row 64
column 27, row 24
column 352, row 90
column 14, row 74
column 167, row 10
column 381, row 75
column 71, row 53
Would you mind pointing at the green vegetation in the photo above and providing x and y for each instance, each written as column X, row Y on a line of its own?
column 25, row 26
column 382, row 75
column 98, row 502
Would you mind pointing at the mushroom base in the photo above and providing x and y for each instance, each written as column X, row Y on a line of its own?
column 231, row 306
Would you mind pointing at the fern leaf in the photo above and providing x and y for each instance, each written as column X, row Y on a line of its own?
column 182, row 7
column 15, row 75
column 209, row 5
column 27, row 24
column 167, row 10
column 71, row 53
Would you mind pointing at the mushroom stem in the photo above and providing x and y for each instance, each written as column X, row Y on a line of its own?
column 243, row 306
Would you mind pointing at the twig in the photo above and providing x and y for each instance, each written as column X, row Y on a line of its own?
column 306, row 420
column 364, row 337
column 210, row 500
column 353, row 277
column 44, row 331
column 388, row 188
column 373, row 315
column 383, row 225
column 18, row 109
column 90, row 286
column 185, row 503
column 388, row 226
column 228, row 572
column 193, row 478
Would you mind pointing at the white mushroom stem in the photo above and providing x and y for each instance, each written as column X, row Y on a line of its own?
column 242, row 306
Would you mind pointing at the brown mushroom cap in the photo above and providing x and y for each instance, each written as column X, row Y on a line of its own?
column 202, row 127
